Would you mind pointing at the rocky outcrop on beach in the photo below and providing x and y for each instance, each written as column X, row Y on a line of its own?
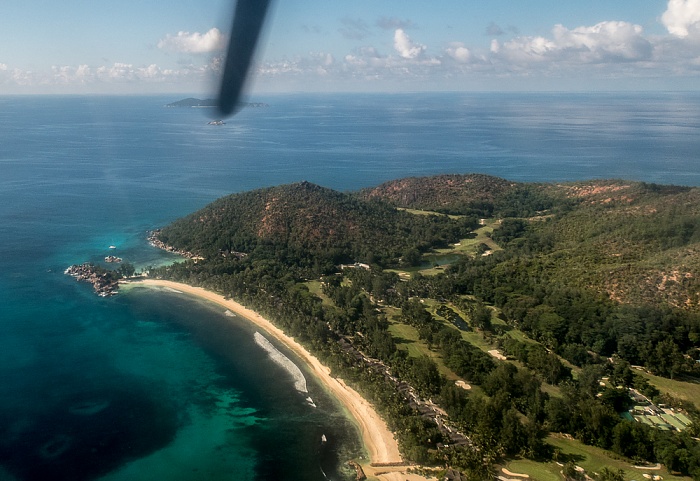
column 105, row 282
column 156, row 242
column 359, row 472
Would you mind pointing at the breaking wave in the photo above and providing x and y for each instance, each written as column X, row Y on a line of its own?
column 283, row 361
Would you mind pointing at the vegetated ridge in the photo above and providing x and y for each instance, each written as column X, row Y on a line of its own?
column 311, row 222
column 591, row 279
column 634, row 241
column 449, row 193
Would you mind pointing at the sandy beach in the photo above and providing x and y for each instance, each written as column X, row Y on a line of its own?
column 378, row 440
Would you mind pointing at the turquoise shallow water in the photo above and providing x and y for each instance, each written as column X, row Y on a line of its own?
column 153, row 385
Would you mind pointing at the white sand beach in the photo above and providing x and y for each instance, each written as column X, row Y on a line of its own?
column 378, row 440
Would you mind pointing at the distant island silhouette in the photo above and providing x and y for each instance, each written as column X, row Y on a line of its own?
column 203, row 103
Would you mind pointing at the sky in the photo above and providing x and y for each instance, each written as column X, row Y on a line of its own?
column 146, row 46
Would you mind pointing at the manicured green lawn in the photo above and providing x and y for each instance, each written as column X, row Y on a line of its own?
column 428, row 212
column 315, row 289
column 520, row 336
column 537, row 471
column 404, row 332
column 553, row 391
column 468, row 247
column 688, row 390
column 590, row 458
column 407, row 338
column 594, row 459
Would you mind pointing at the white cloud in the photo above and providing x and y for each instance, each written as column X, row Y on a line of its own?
column 682, row 17
column 606, row 50
column 323, row 59
column 196, row 42
column 524, row 49
column 87, row 78
column 24, row 77
column 459, row 52
column 319, row 63
column 365, row 57
column 118, row 71
column 405, row 47
column 604, row 41
column 83, row 71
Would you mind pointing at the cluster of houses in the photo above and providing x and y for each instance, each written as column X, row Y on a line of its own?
column 356, row 265
column 659, row 417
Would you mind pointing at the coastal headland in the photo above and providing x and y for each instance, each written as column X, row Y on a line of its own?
column 367, row 270
column 382, row 448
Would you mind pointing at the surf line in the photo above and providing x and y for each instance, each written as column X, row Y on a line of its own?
column 285, row 363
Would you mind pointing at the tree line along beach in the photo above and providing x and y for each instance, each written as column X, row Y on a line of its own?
column 354, row 303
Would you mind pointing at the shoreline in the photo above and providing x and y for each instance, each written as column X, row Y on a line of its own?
column 378, row 440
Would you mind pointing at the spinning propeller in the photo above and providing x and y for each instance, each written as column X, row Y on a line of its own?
column 248, row 20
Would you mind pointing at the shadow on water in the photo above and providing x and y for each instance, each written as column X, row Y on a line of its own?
column 86, row 434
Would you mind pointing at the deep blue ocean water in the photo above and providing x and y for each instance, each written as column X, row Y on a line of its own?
column 153, row 385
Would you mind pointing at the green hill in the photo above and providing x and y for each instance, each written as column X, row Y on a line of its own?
column 441, row 192
column 593, row 290
column 311, row 221
column 636, row 243
column 468, row 194
column 631, row 241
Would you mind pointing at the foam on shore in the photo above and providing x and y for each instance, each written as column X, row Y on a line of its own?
column 377, row 437
column 283, row 361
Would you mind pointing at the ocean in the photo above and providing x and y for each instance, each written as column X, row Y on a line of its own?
column 154, row 385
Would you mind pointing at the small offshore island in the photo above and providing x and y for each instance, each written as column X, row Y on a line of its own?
column 501, row 329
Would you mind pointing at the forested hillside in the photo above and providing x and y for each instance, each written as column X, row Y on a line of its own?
column 470, row 194
column 307, row 221
column 632, row 241
column 563, row 308
column 610, row 267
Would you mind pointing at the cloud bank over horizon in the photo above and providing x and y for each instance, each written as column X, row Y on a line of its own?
column 389, row 53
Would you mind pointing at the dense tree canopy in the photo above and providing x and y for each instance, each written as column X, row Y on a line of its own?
column 594, row 277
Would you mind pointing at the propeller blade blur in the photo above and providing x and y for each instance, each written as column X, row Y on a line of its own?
column 248, row 21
